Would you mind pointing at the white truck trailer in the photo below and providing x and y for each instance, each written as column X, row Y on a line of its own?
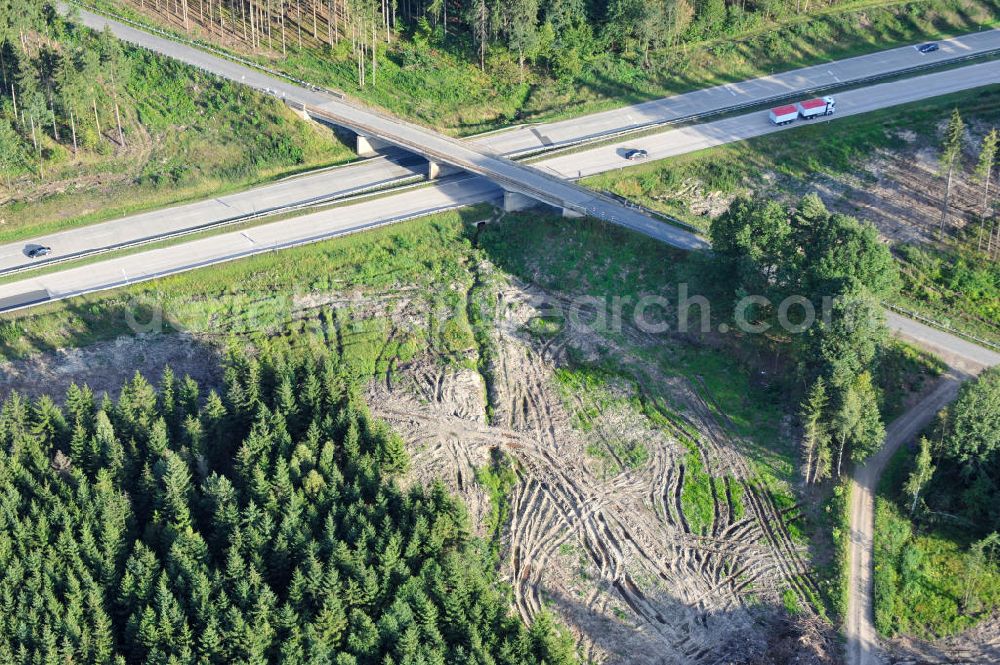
column 783, row 115
column 812, row 108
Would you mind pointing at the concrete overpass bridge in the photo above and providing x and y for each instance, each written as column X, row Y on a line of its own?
column 523, row 186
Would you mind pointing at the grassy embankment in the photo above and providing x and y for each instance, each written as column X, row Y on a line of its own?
column 947, row 281
column 437, row 81
column 187, row 136
column 924, row 580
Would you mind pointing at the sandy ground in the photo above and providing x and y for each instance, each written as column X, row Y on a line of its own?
column 612, row 554
column 901, row 194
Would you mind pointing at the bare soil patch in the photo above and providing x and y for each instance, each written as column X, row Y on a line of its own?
column 901, row 193
column 980, row 644
column 614, row 555
column 106, row 366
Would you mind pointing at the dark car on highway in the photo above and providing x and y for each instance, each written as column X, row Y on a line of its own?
column 928, row 48
column 636, row 155
column 40, row 250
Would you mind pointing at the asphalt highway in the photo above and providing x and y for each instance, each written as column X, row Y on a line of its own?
column 232, row 245
column 426, row 199
column 355, row 178
column 721, row 97
column 325, row 185
column 469, row 157
column 675, row 142
column 546, row 182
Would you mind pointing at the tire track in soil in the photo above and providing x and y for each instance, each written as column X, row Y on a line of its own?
column 630, row 528
column 771, row 520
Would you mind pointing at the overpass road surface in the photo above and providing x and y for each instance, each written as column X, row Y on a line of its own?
column 374, row 124
column 453, row 192
column 464, row 190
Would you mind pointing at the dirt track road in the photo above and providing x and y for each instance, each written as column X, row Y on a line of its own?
column 861, row 643
column 965, row 360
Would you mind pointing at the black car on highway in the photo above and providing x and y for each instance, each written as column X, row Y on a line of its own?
column 636, row 155
column 928, row 48
column 37, row 251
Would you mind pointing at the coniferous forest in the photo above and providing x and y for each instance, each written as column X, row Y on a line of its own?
column 263, row 524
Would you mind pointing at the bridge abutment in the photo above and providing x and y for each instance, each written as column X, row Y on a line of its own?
column 367, row 146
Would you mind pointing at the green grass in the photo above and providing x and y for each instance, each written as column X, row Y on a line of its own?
column 955, row 285
column 790, row 601
column 264, row 294
column 922, row 571
column 586, row 257
column 835, row 576
column 903, row 370
column 950, row 283
column 431, row 258
column 431, row 261
column 697, row 500
column 438, row 81
column 499, row 479
column 589, row 392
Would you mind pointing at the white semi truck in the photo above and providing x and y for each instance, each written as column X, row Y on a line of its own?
column 808, row 109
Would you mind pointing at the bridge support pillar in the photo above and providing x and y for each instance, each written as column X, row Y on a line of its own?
column 369, row 147
column 516, row 202
column 437, row 170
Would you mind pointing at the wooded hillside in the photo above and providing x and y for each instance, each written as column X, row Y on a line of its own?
column 469, row 65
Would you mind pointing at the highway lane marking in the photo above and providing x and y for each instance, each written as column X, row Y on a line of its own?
column 243, row 233
column 835, row 78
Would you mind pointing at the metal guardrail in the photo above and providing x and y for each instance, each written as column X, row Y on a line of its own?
column 694, row 117
column 360, row 194
column 628, row 203
column 534, row 193
column 471, row 167
column 263, row 249
column 944, row 327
